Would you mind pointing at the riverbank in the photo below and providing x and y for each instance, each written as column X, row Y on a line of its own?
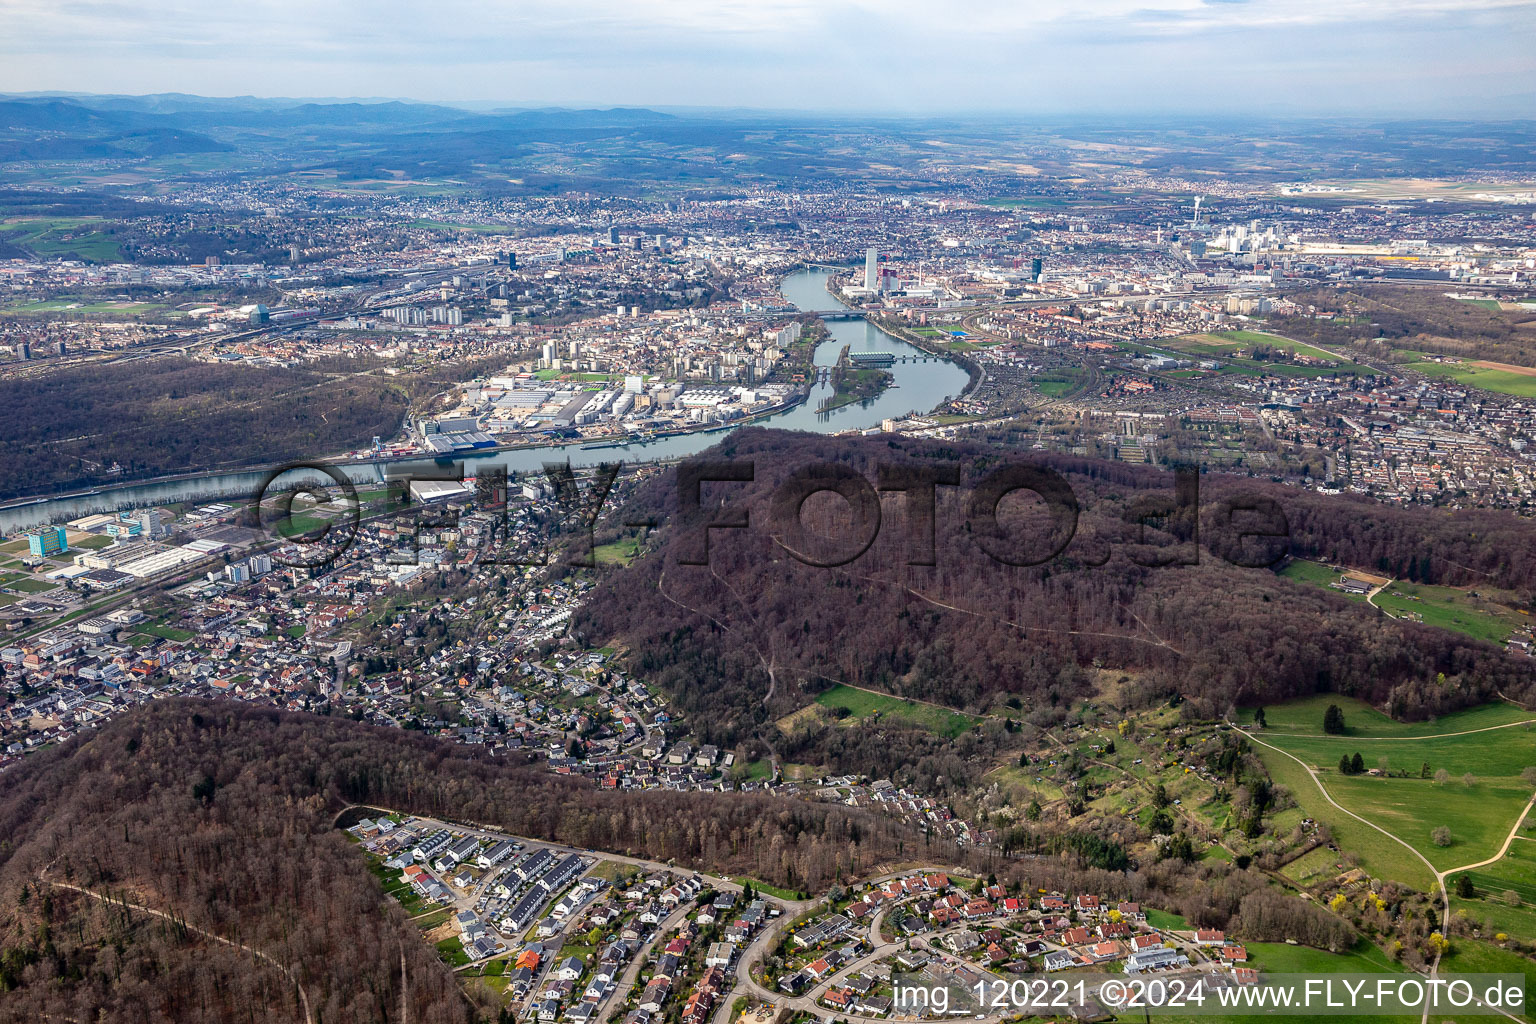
column 916, row 390
column 341, row 460
column 976, row 373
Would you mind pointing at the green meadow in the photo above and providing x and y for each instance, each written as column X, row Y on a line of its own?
column 1505, row 382
column 863, row 704
column 1492, row 744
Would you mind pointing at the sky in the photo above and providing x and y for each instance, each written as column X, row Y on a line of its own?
column 1440, row 58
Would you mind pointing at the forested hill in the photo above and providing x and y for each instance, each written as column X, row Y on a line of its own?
column 153, row 417
column 219, row 815
column 757, row 623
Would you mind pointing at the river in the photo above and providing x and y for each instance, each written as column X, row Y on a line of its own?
column 916, row 388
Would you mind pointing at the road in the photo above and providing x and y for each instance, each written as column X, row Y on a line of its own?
column 790, row 908
column 1439, row 876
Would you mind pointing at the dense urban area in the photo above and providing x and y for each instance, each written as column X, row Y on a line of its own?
column 311, row 465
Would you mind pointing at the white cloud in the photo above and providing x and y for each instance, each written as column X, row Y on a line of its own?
column 907, row 54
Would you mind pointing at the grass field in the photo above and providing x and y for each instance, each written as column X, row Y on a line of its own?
column 452, row 950
column 1305, row 716
column 771, row 890
column 1058, row 382
column 30, row 586
column 1316, row 574
column 1505, row 382
column 862, row 704
column 1281, row 958
column 618, row 553
column 1515, row 873
column 1469, row 956
column 61, row 236
column 759, row 769
column 1444, row 607
column 1479, row 815
column 479, row 229
column 1312, row 867
column 82, row 306
column 1166, row 921
column 1222, row 346
column 1453, row 609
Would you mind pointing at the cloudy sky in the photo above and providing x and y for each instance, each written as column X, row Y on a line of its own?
column 1434, row 57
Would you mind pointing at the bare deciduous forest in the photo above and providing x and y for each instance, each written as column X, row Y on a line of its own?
column 67, row 428
column 221, row 817
column 744, row 639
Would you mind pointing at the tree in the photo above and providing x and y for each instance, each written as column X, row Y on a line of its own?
column 1344, row 765
column 1464, row 887
column 1469, row 780
column 1258, row 718
column 1441, row 836
column 1180, row 847
column 1357, row 764
column 1442, row 776
column 1333, row 720
column 1511, row 898
column 1528, row 775
column 1424, row 770
column 1160, row 796
column 1439, row 944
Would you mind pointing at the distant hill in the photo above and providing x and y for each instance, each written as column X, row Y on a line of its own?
column 65, row 130
column 428, row 137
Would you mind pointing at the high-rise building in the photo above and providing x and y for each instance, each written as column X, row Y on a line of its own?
column 613, row 234
column 260, row 565
column 1036, row 268
column 293, row 254
column 46, row 540
column 23, row 351
column 237, row 572
column 871, row 268
column 511, row 261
